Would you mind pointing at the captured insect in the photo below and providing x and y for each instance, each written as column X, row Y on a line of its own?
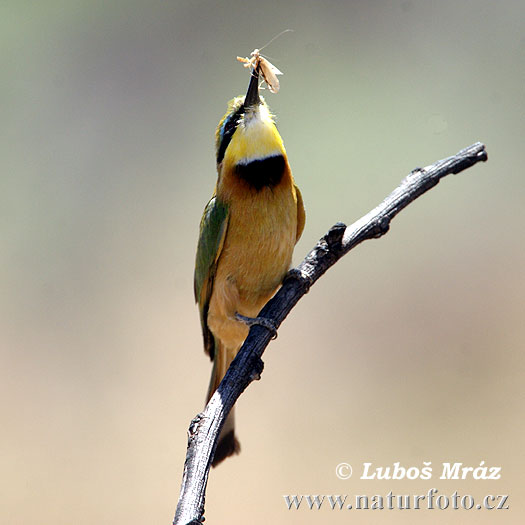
column 268, row 71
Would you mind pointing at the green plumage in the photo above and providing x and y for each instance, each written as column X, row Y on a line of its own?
column 211, row 238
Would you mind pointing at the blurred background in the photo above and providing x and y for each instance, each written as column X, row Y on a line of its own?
column 409, row 350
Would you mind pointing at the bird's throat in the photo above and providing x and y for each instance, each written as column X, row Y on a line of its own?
column 256, row 138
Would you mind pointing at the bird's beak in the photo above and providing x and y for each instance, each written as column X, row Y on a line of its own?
column 252, row 96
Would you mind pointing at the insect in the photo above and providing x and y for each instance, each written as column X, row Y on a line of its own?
column 268, row 71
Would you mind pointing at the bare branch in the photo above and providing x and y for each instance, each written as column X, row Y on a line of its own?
column 247, row 366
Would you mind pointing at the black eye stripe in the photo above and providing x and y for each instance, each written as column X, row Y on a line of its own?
column 230, row 125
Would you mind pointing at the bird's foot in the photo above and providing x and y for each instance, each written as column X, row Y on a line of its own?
column 261, row 321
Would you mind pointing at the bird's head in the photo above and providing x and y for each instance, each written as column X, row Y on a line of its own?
column 247, row 132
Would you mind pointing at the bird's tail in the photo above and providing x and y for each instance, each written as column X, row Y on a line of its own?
column 227, row 444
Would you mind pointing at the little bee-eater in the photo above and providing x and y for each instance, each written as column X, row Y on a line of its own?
column 247, row 235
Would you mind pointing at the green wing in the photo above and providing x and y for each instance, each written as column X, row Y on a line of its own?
column 213, row 227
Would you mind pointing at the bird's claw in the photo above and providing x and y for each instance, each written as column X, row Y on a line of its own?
column 261, row 321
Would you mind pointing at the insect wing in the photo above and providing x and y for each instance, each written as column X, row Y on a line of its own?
column 270, row 72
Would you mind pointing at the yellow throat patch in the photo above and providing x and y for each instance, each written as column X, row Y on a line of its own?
column 256, row 137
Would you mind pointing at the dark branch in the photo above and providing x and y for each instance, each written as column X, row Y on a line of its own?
column 247, row 366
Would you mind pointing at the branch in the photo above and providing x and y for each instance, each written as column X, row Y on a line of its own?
column 247, row 366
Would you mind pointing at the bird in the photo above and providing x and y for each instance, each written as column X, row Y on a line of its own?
column 247, row 235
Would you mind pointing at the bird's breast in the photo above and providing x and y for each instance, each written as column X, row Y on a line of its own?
column 260, row 239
